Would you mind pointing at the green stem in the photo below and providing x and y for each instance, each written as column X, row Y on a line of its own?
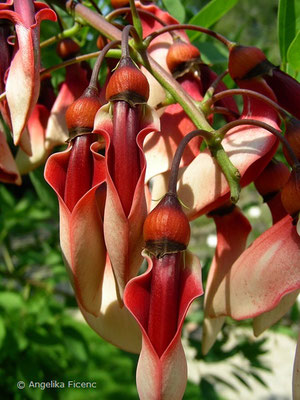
column 229, row 170
column 64, row 34
column 136, row 20
column 173, row 87
column 115, row 53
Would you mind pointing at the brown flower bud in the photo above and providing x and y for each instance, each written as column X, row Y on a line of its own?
column 272, row 179
column 119, row 3
column 166, row 228
column 128, row 83
column 101, row 42
column 81, row 113
column 247, row 62
column 290, row 194
column 67, row 48
column 181, row 56
column 292, row 135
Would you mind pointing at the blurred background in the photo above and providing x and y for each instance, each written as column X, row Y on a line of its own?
column 42, row 334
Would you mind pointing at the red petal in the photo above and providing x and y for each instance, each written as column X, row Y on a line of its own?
column 263, row 274
column 232, row 233
column 8, row 169
column 165, row 376
column 124, row 245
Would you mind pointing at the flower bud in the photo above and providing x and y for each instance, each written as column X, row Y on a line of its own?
column 292, row 135
column 81, row 113
column 128, row 83
column 290, row 194
column 272, row 179
column 119, row 3
column 101, row 42
column 247, row 62
column 166, row 228
column 67, row 48
column 181, row 56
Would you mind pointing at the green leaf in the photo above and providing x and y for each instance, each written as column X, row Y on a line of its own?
column 176, row 9
column 210, row 14
column 293, row 53
column 288, row 24
column 43, row 190
column 10, row 301
column 2, row 331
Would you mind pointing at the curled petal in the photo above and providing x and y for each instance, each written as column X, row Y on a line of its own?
column 8, row 169
column 23, row 81
column 81, row 233
column 162, row 377
column 124, row 244
column 268, row 270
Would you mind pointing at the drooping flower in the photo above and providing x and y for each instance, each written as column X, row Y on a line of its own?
column 246, row 63
column 23, row 81
column 124, row 131
column 159, row 300
column 78, row 177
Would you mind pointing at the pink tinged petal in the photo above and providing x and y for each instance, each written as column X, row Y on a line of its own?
column 266, row 320
column 5, row 59
column 232, row 233
column 175, row 124
column 36, row 127
column 81, row 233
column 296, row 373
column 124, row 243
column 211, row 328
column 162, row 371
column 73, row 87
column 113, row 323
column 23, row 82
column 203, row 186
column 268, row 270
column 8, row 169
column 298, row 227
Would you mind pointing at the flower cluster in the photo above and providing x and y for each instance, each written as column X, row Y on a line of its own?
column 150, row 133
